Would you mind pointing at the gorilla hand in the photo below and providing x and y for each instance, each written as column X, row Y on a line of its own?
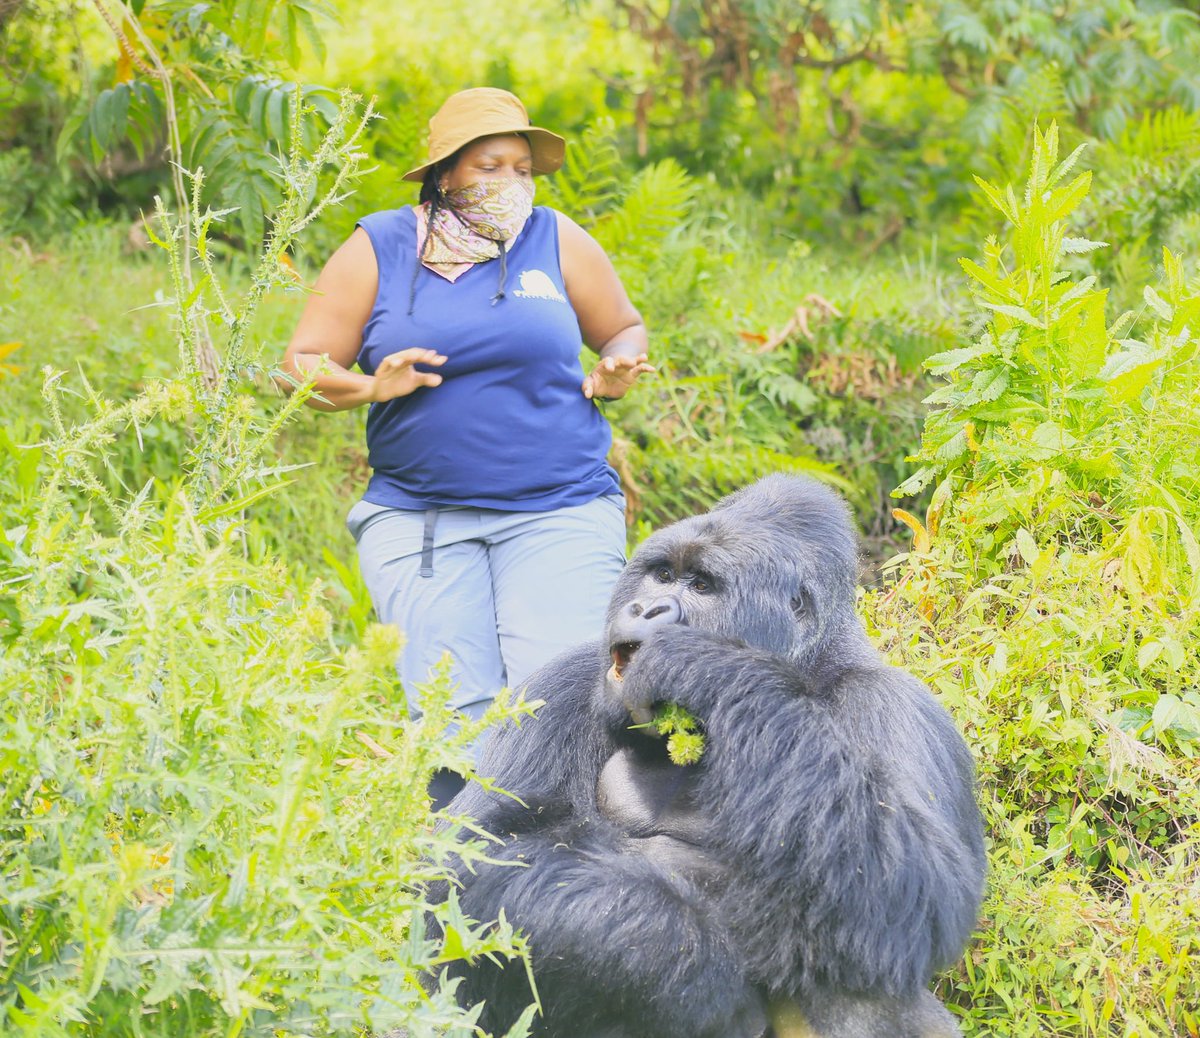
column 705, row 673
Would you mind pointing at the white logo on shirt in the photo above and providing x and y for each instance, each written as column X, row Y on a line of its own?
column 536, row 284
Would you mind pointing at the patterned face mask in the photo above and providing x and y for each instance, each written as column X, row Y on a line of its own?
column 477, row 218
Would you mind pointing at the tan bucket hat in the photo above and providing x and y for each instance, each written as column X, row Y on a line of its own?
column 482, row 112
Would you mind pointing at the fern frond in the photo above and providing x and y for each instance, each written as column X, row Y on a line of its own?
column 1161, row 135
column 656, row 203
column 589, row 182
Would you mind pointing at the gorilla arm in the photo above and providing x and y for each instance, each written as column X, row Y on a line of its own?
column 552, row 760
column 849, row 808
column 619, row 949
column 537, row 770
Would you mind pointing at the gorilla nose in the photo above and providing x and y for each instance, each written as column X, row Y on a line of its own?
column 640, row 619
column 635, row 623
column 664, row 611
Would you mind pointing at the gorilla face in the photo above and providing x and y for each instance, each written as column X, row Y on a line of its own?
column 689, row 576
column 785, row 591
column 680, row 582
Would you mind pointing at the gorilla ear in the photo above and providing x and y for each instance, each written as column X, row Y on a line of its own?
column 800, row 604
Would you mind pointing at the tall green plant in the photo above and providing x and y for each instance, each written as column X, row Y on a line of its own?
column 213, row 821
column 1041, row 382
column 1052, row 599
column 208, row 82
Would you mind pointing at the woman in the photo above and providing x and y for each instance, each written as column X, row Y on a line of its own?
column 492, row 527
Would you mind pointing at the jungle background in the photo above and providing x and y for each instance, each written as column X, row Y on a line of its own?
column 211, row 802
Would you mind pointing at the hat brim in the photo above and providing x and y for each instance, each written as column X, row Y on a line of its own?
column 547, row 148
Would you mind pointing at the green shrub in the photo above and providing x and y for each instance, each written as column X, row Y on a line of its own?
column 214, row 819
column 1052, row 599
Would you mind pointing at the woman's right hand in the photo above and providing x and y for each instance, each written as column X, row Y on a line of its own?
column 395, row 375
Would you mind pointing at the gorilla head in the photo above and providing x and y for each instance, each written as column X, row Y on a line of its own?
column 771, row 567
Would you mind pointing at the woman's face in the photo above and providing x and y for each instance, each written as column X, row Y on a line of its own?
column 490, row 158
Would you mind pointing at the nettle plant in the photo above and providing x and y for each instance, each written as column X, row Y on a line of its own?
column 213, row 819
column 1058, row 432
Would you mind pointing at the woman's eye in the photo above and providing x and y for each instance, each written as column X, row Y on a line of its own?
column 664, row 575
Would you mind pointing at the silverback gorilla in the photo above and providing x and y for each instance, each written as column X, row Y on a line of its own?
column 805, row 878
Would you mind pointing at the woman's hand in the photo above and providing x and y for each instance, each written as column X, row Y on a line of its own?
column 611, row 378
column 395, row 376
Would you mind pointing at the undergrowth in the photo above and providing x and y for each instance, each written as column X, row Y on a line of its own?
column 1052, row 599
column 213, row 817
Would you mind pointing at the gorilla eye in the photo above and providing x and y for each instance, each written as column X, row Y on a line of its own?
column 664, row 575
column 702, row 583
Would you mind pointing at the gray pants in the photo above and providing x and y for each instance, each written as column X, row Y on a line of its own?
column 504, row 592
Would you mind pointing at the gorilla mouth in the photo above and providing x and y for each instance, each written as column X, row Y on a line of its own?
column 622, row 653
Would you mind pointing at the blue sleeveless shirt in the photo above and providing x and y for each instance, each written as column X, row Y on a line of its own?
column 509, row 427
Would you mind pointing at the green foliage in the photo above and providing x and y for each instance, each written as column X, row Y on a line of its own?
column 685, row 744
column 1032, row 388
column 1052, row 600
column 238, row 142
column 192, row 771
column 590, row 180
column 32, row 198
column 1112, row 56
column 206, row 80
column 130, row 112
column 1146, row 194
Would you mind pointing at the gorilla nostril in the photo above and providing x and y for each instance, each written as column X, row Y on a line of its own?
column 665, row 610
column 635, row 609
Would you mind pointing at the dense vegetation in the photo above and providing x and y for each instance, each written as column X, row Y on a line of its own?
column 212, row 817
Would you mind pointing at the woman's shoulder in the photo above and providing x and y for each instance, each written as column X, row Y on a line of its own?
column 572, row 239
column 550, row 213
column 389, row 230
column 384, row 219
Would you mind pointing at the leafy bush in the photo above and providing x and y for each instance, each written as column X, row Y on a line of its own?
column 214, row 820
column 1052, row 598
column 1146, row 194
column 770, row 357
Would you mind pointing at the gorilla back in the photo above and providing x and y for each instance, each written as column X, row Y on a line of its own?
column 805, row 878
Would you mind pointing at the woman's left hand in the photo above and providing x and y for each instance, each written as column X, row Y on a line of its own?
column 612, row 376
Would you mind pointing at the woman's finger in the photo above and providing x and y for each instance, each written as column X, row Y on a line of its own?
column 414, row 355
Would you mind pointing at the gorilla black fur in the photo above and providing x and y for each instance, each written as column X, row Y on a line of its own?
column 807, row 877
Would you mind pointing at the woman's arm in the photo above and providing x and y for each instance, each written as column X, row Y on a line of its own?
column 330, row 331
column 607, row 319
